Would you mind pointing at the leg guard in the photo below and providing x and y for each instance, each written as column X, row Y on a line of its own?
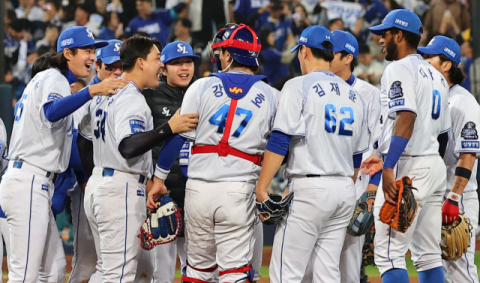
column 186, row 279
column 247, row 270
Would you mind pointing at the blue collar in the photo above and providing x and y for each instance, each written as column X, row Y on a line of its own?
column 453, row 86
column 95, row 80
column 139, row 90
column 70, row 77
column 350, row 80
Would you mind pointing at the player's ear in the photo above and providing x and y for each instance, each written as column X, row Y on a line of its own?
column 446, row 65
column 140, row 63
column 349, row 59
column 67, row 53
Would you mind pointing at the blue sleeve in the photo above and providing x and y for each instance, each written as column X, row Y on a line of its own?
column 170, row 151
column 63, row 107
column 279, row 143
column 75, row 161
column 357, row 160
column 397, row 146
column 65, row 182
column 271, row 55
column 184, row 169
column 375, row 179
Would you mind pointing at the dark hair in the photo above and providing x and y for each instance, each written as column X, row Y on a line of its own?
column 82, row 82
column 42, row 63
column 54, row 3
column 354, row 62
column 19, row 24
column 60, row 62
column 321, row 53
column 43, row 49
column 123, row 36
column 455, row 74
column 85, row 8
column 136, row 47
column 11, row 15
column 411, row 38
column 99, row 62
column 332, row 21
column 264, row 33
column 185, row 22
column 236, row 64
column 363, row 49
column 141, row 34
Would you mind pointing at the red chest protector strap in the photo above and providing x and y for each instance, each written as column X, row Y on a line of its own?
column 223, row 148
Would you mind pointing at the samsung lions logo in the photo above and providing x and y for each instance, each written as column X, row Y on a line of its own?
column 402, row 23
column 469, row 132
column 396, row 90
column 166, row 112
column 117, row 47
column 350, row 47
column 89, row 33
column 66, row 42
column 449, row 52
column 303, row 39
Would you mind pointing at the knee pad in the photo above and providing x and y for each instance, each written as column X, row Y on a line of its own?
column 247, row 270
column 186, row 279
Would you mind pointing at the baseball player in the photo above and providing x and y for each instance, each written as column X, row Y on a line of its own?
column 40, row 148
column 3, row 169
column 166, row 99
column 236, row 111
column 462, row 151
column 415, row 112
column 317, row 106
column 123, row 135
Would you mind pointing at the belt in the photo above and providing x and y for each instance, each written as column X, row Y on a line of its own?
column 313, row 176
column 20, row 164
column 109, row 173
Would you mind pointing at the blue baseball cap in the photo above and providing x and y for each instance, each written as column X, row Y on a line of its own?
column 110, row 53
column 77, row 37
column 313, row 37
column 177, row 49
column 345, row 41
column 443, row 45
column 402, row 19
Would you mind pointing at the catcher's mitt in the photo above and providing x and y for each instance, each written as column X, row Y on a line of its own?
column 162, row 225
column 401, row 216
column 456, row 238
column 274, row 208
column 362, row 220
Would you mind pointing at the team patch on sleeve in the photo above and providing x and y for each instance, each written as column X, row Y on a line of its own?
column 397, row 102
column 54, row 97
column 470, row 144
column 469, row 131
column 396, row 90
column 137, row 126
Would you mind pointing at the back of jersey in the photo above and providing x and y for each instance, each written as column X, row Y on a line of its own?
column 250, row 130
column 412, row 84
column 327, row 118
column 94, row 127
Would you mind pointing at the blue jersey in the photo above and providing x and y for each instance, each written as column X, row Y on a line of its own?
column 280, row 29
column 248, row 8
column 156, row 25
column 272, row 66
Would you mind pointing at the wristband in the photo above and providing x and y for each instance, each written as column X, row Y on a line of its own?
column 454, row 197
column 397, row 146
column 375, row 179
column 463, row 172
column 357, row 160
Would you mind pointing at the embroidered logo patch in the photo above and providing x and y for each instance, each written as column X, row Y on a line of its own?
column 137, row 126
column 470, row 144
column 235, row 90
column 45, row 187
column 54, row 96
column 395, row 103
column 140, row 193
column 396, row 90
column 469, row 131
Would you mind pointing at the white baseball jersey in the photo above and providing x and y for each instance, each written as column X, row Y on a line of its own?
column 36, row 140
column 412, row 84
column 3, row 148
column 463, row 138
column 327, row 118
column 114, row 119
column 250, row 130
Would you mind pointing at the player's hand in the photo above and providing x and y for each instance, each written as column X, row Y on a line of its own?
column 107, row 87
column 371, row 201
column 158, row 189
column 450, row 209
column 261, row 197
column 371, row 165
column 183, row 123
column 390, row 189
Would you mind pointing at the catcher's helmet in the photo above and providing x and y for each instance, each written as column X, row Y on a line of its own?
column 240, row 41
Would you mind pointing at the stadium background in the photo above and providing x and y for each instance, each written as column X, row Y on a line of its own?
column 31, row 28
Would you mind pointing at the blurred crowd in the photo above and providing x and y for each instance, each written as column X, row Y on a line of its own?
column 33, row 26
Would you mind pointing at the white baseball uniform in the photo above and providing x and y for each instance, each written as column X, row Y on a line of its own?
column 38, row 149
column 412, row 84
column 317, row 107
column 3, row 169
column 115, row 193
column 220, row 198
column 463, row 138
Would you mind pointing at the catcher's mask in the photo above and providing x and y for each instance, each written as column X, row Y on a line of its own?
column 240, row 41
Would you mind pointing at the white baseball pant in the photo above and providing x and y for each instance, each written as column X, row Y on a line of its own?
column 464, row 269
column 258, row 249
column 219, row 228
column 6, row 238
column 145, row 267
column 165, row 258
column 428, row 174
column 317, row 223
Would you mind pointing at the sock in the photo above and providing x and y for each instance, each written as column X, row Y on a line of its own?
column 432, row 275
column 396, row 276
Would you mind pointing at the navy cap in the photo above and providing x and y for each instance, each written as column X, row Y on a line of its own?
column 313, row 37
column 177, row 49
column 77, row 37
column 402, row 19
column 110, row 53
column 443, row 45
column 345, row 41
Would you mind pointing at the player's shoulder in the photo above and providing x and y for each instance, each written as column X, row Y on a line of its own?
column 364, row 87
column 265, row 88
column 461, row 97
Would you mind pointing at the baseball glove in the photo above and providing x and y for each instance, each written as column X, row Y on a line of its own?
column 162, row 225
column 456, row 238
column 274, row 208
column 401, row 216
column 362, row 220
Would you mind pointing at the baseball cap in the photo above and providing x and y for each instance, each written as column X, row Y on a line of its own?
column 177, row 49
column 110, row 53
column 443, row 45
column 313, row 37
column 402, row 19
column 77, row 37
column 345, row 41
